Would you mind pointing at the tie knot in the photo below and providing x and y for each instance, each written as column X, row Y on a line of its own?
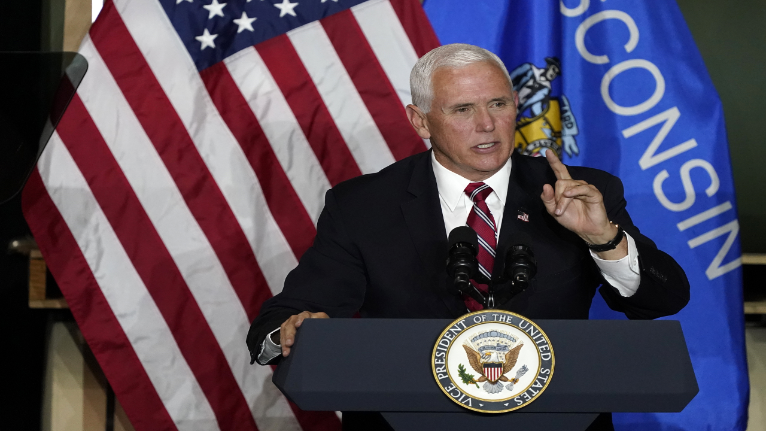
column 478, row 191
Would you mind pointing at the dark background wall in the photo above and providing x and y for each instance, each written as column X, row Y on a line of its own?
column 731, row 39
column 23, row 350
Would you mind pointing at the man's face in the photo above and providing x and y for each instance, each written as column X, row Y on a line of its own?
column 472, row 119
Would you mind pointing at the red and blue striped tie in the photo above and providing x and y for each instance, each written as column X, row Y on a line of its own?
column 483, row 223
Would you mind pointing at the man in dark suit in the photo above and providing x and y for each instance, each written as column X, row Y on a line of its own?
column 381, row 240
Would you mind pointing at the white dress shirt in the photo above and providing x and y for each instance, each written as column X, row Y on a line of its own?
column 623, row 274
column 456, row 205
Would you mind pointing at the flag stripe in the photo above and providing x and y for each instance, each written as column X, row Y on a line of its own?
column 310, row 111
column 204, row 186
column 212, row 290
column 351, row 116
column 147, row 175
column 372, row 84
column 273, row 252
column 126, row 293
column 96, row 318
column 224, row 160
column 257, row 375
column 282, row 130
column 178, row 153
column 412, row 17
column 126, row 215
column 392, row 47
column 289, row 213
column 189, row 173
column 184, row 91
column 128, row 143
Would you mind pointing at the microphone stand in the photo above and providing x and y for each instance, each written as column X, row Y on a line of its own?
column 462, row 267
column 520, row 268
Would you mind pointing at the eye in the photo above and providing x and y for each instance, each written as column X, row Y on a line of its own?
column 462, row 109
column 498, row 104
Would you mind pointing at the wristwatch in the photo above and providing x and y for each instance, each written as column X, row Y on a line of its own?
column 610, row 245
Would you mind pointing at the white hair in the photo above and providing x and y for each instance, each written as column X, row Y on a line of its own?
column 454, row 55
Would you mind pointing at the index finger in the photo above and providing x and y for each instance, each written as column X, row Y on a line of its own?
column 560, row 170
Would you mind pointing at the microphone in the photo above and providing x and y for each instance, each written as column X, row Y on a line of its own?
column 462, row 265
column 462, row 256
column 520, row 265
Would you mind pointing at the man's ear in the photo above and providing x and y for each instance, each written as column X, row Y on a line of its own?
column 418, row 120
column 516, row 98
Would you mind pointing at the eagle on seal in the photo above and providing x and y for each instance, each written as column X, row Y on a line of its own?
column 478, row 361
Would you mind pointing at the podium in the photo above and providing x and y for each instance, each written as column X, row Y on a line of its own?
column 384, row 365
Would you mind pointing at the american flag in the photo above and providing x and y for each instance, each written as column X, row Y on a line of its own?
column 184, row 180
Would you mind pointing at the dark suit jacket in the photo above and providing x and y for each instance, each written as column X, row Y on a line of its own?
column 381, row 249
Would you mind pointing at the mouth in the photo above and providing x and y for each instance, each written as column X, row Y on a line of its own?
column 486, row 146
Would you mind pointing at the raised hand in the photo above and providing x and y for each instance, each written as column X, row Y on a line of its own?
column 579, row 207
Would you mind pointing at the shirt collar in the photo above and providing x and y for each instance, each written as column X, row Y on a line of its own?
column 451, row 185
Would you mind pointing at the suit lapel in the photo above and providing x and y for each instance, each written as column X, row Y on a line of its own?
column 519, row 203
column 423, row 216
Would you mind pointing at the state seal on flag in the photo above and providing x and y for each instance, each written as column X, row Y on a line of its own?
column 544, row 121
column 493, row 361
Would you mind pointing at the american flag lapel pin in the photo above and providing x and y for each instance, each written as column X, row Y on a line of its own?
column 523, row 216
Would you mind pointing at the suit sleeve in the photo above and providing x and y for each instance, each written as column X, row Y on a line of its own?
column 663, row 288
column 330, row 277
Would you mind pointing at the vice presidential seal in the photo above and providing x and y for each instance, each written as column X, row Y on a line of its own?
column 493, row 361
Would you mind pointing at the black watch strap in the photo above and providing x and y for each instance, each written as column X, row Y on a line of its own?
column 611, row 245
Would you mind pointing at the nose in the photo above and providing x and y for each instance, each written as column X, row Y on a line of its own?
column 484, row 120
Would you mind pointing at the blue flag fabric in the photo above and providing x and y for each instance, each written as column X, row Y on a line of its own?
column 622, row 87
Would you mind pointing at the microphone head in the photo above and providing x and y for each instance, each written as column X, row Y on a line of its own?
column 520, row 261
column 463, row 234
column 462, row 258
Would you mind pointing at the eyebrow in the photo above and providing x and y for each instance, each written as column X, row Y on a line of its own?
column 469, row 104
column 460, row 105
column 501, row 99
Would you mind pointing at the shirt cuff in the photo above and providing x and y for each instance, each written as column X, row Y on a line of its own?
column 622, row 274
column 269, row 350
